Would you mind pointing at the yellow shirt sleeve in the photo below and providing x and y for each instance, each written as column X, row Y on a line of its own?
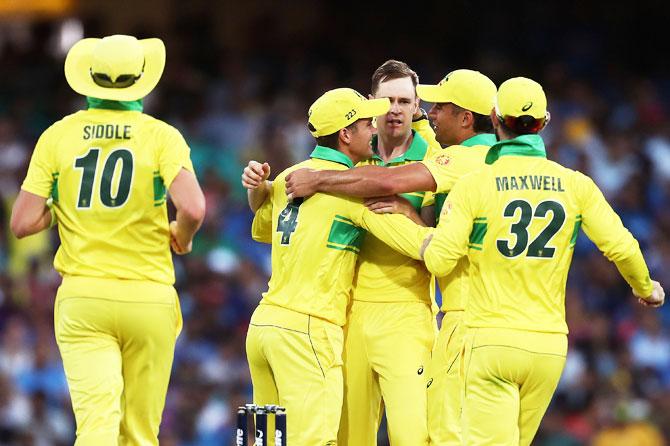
column 261, row 227
column 443, row 166
column 42, row 169
column 604, row 227
column 174, row 155
column 428, row 199
column 424, row 129
column 395, row 230
column 450, row 241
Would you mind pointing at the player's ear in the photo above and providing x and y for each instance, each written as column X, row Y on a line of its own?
column 468, row 119
column 345, row 136
column 370, row 96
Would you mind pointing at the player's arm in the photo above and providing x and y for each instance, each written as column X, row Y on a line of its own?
column 255, row 180
column 189, row 201
column 396, row 230
column 450, row 240
column 261, row 227
column 423, row 128
column 31, row 212
column 604, row 227
column 30, row 215
column 365, row 181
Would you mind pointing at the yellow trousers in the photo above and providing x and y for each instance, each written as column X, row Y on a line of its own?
column 444, row 386
column 296, row 362
column 509, row 377
column 387, row 347
column 117, row 356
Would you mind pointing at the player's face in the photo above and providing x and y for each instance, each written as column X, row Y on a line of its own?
column 360, row 146
column 447, row 120
column 404, row 103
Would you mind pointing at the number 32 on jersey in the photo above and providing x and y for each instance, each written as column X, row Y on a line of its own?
column 539, row 247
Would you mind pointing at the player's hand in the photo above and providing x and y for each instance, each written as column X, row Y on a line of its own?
column 255, row 174
column 656, row 299
column 179, row 247
column 301, row 183
column 392, row 204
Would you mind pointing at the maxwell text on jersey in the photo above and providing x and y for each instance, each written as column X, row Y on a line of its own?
column 529, row 182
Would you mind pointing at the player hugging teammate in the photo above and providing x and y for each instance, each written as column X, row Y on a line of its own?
column 501, row 251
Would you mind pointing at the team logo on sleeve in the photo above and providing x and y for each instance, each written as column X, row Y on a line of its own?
column 443, row 160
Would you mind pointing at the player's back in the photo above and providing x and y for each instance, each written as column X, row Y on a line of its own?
column 109, row 170
column 526, row 212
column 315, row 244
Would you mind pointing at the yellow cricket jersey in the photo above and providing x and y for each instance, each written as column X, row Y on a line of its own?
column 517, row 220
column 107, row 169
column 447, row 166
column 316, row 242
column 383, row 274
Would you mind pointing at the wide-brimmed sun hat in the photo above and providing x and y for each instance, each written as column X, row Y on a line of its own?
column 117, row 67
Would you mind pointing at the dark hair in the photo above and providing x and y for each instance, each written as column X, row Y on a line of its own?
column 522, row 125
column 392, row 69
column 481, row 123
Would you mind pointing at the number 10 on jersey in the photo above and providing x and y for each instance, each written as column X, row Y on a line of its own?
column 89, row 165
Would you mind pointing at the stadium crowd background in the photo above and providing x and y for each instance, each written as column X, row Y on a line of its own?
column 238, row 81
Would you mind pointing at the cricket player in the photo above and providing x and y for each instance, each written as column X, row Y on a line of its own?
column 462, row 123
column 295, row 338
column 517, row 221
column 390, row 327
column 102, row 175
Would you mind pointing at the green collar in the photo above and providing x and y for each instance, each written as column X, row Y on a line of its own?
column 415, row 152
column 328, row 154
column 480, row 139
column 524, row 145
column 114, row 105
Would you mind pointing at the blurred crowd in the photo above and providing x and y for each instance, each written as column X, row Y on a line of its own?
column 233, row 107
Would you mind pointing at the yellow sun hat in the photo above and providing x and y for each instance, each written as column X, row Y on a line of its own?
column 117, row 67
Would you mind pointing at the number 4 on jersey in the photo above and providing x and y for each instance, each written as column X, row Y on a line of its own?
column 288, row 221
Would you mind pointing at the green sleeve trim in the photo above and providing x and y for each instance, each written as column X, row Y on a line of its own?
column 159, row 189
column 345, row 235
column 479, row 228
column 343, row 248
column 54, row 187
column 575, row 231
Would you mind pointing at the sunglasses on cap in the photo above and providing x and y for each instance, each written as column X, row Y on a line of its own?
column 122, row 81
column 525, row 124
